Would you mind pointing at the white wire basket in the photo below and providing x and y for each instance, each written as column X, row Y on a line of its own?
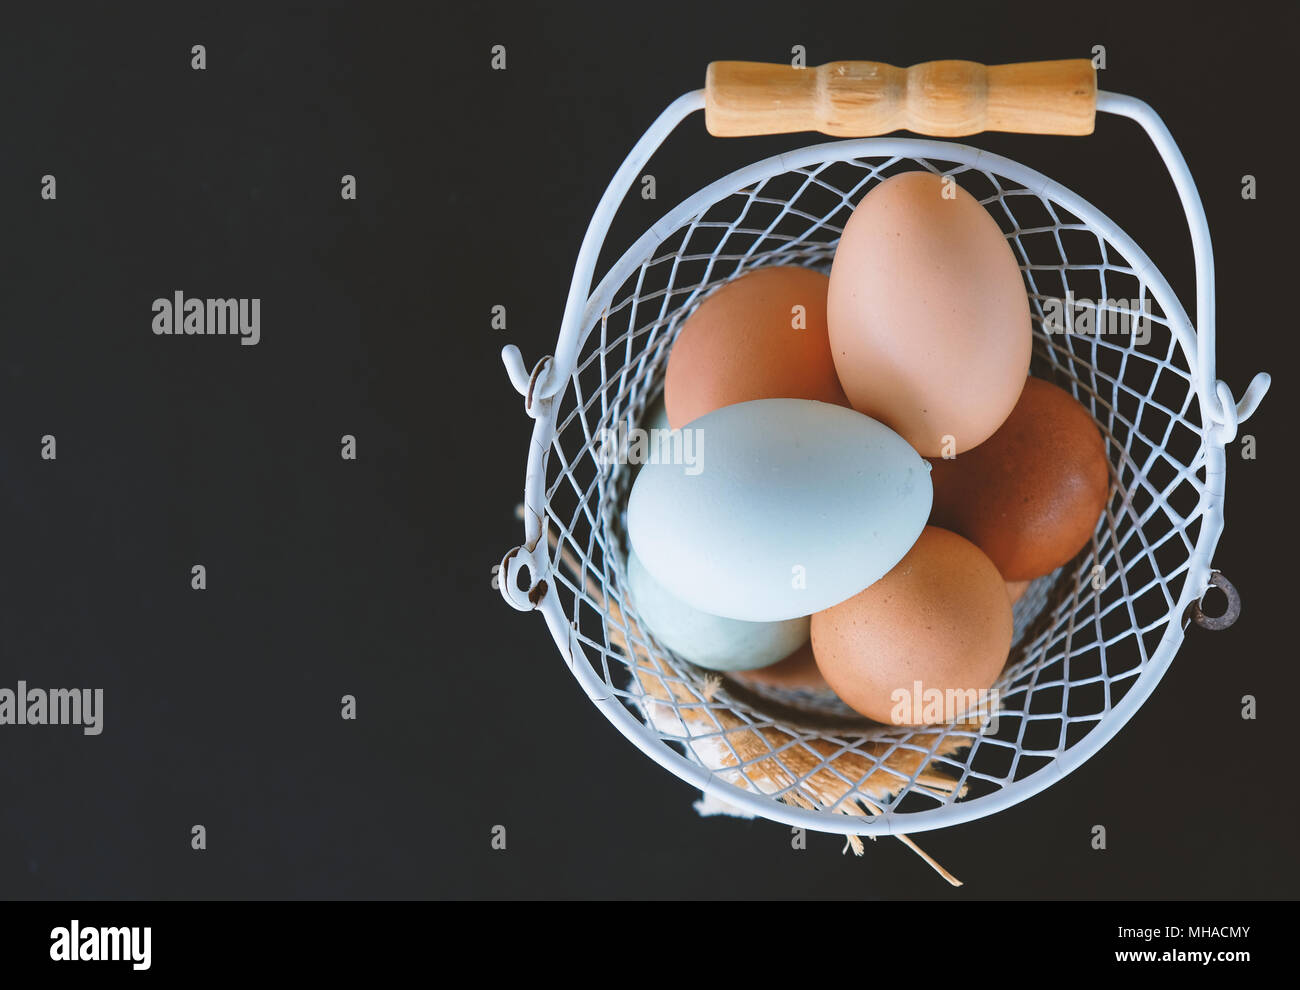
column 1091, row 640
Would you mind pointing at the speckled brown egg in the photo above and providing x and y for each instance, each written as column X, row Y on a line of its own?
column 920, row 644
column 760, row 336
column 1031, row 494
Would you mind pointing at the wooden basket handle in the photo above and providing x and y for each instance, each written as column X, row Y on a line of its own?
column 859, row 99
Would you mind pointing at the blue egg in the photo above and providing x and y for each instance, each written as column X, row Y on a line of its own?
column 709, row 640
column 777, row 508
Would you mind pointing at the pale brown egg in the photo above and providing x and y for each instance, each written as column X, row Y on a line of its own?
column 923, row 643
column 1016, row 590
column 928, row 314
column 796, row 672
column 760, row 336
column 1029, row 496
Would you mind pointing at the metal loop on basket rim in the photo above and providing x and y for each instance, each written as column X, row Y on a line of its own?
column 512, row 564
column 536, row 386
column 1230, row 613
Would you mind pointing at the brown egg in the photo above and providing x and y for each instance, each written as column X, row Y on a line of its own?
column 928, row 313
column 798, row 671
column 920, row 644
column 1031, row 494
column 760, row 336
column 1016, row 590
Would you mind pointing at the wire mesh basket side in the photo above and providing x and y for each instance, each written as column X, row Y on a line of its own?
column 1090, row 631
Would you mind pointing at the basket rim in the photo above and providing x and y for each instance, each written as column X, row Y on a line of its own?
column 845, row 150
column 1209, row 508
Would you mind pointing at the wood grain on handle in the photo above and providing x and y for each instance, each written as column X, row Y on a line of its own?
column 860, row 99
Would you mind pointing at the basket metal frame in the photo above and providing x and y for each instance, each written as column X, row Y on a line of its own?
column 542, row 388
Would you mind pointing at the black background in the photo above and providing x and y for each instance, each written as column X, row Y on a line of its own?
column 373, row 577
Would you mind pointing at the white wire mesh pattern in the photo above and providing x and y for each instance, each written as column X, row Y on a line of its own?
column 1084, row 636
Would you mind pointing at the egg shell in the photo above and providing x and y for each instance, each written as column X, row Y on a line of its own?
column 760, row 336
column 797, row 672
column 928, row 314
column 792, row 505
column 1029, row 496
column 941, row 617
column 706, row 640
column 1016, row 590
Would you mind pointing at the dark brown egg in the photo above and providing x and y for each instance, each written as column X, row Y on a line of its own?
column 1031, row 494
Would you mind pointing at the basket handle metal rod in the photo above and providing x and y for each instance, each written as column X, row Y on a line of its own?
column 949, row 98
